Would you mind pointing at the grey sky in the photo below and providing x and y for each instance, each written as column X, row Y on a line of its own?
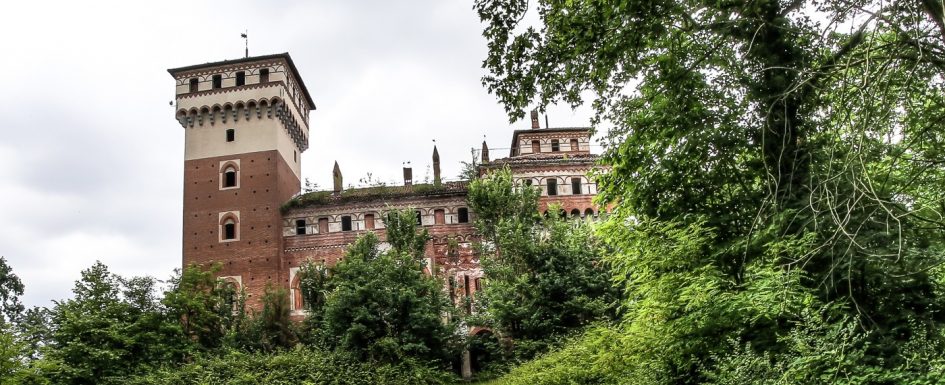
column 90, row 154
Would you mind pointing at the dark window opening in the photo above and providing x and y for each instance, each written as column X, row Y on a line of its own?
column 528, row 182
column 574, row 145
column 346, row 223
column 536, row 146
column 229, row 178
column 419, row 218
column 453, row 290
column 230, row 135
column 468, row 294
column 240, row 78
column 576, row 186
column 229, row 230
column 575, row 213
column 588, row 213
column 369, row 221
column 555, row 147
column 552, row 187
column 463, row 215
column 299, row 227
column 217, row 81
column 478, row 284
column 193, row 85
column 264, row 75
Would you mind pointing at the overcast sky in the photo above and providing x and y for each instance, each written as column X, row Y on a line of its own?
column 91, row 157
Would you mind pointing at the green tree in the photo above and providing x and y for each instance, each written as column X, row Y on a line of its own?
column 112, row 327
column 207, row 310
column 381, row 306
column 766, row 157
column 11, row 288
column 545, row 277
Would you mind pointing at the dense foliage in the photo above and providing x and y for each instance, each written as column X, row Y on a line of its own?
column 545, row 276
column 380, row 305
column 776, row 176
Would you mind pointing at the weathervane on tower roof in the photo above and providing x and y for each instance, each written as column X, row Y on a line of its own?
column 245, row 36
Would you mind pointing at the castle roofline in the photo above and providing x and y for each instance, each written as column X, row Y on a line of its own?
column 382, row 193
column 284, row 56
column 516, row 133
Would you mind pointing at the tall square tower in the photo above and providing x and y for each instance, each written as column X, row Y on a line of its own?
column 246, row 126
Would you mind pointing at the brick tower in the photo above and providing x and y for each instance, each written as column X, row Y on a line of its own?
column 246, row 124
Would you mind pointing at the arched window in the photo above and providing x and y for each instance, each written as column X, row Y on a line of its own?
column 588, row 213
column 298, row 302
column 229, row 229
column 575, row 213
column 229, row 177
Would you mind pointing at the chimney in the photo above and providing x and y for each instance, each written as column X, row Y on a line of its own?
column 336, row 177
column 485, row 152
column 436, row 167
column 535, row 123
column 408, row 175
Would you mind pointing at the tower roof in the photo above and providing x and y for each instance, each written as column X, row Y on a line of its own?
column 284, row 56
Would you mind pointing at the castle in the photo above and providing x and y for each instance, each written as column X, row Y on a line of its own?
column 247, row 124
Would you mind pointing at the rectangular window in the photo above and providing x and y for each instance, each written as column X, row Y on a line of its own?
column 463, row 215
column 323, row 225
column 439, row 217
column 299, row 227
column 468, row 294
column 369, row 221
column 264, row 75
column 536, row 146
column 230, row 135
column 193, row 84
column 552, row 186
column 229, row 231
column 419, row 218
column 574, row 145
column 217, row 81
column 555, row 147
column 478, row 284
column 240, row 78
column 346, row 223
column 576, row 186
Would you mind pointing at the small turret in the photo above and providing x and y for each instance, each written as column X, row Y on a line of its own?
column 485, row 152
column 535, row 123
column 336, row 177
column 436, row 166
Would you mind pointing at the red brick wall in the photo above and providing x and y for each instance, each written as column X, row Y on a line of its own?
column 266, row 181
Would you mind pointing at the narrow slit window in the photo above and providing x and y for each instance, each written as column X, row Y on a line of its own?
column 240, row 78
column 552, row 187
column 230, row 135
column 346, row 223
column 264, row 75
column 462, row 215
column 299, row 227
column 193, row 84
column 217, row 81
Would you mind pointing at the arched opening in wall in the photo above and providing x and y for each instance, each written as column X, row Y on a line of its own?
column 229, row 177
column 575, row 213
column 562, row 214
column 250, row 109
column 555, row 146
column 588, row 213
column 574, row 145
column 229, row 228
column 536, row 146
column 298, row 301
